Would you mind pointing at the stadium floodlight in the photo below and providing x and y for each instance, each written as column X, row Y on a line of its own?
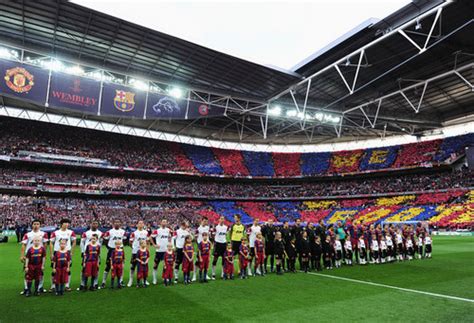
column 300, row 115
column 54, row 65
column 291, row 113
column 76, row 70
column 418, row 25
column 175, row 92
column 8, row 53
column 140, row 85
column 275, row 111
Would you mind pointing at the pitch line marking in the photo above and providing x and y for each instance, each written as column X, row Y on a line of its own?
column 395, row 287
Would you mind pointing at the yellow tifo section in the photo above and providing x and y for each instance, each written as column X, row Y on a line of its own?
column 396, row 200
column 316, row 205
column 375, row 214
column 341, row 215
column 460, row 213
column 406, row 215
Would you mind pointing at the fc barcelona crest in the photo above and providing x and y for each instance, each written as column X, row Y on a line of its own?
column 124, row 101
column 19, row 80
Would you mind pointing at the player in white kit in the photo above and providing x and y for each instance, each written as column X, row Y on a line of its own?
column 136, row 237
column 160, row 239
column 27, row 243
column 179, row 239
column 252, row 233
column 203, row 227
column 85, row 240
column 110, row 237
column 220, row 240
column 63, row 234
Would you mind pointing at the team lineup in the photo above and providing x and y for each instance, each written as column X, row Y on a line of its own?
column 257, row 248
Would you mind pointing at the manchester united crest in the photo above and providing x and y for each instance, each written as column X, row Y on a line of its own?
column 124, row 101
column 19, row 80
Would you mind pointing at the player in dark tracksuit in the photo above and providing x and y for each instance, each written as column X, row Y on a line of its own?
column 298, row 233
column 268, row 232
column 287, row 235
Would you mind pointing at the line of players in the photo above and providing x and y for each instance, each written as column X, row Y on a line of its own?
column 281, row 246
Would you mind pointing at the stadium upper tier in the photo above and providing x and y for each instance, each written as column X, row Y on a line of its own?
column 63, row 144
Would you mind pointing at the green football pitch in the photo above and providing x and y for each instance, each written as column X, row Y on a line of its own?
column 438, row 289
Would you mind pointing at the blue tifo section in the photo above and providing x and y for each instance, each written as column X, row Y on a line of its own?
column 286, row 211
column 453, row 145
column 228, row 210
column 314, row 163
column 258, row 163
column 428, row 212
column 203, row 159
column 378, row 158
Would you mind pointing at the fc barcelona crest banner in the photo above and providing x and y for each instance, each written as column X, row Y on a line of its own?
column 122, row 101
column 74, row 92
column 23, row 81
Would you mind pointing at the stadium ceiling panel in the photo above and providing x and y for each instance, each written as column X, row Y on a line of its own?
column 406, row 74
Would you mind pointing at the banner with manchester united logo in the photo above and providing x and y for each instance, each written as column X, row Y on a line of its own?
column 23, row 81
column 74, row 92
column 122, row 101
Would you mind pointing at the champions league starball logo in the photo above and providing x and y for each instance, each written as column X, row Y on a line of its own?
column 166, row 105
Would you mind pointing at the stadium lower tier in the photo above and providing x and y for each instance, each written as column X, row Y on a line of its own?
column 59, row 143
column 453, row 209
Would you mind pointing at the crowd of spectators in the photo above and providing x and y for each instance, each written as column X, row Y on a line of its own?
column 80, row 181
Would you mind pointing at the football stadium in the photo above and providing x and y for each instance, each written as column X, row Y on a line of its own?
column 147, row 177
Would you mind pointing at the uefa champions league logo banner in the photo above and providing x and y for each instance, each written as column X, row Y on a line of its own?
column 122, row 101
column 23, row 81
column 74, row 92
column 199, row 109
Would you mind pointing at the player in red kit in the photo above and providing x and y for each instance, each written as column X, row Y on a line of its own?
column 229, row 262
column 61, row 267
column 143, row 256
column 259, row 255
column 188, row 266
column 168, row 265
column 34, row 265
column 90, row 263
column 117, row 258
column 204, row 249
column 244, row 258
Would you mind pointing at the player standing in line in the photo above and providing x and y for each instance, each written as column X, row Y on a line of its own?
column 253, row 231
column 27, row 243
column 287, row 235
column 244, row 257
column 237, row 232
column 428, row 247
column 259, row 246
column 389, row 242
column 180, row 237
column 290, row 249
column 143, row 256
column 111, row 237
column 90, row 263
column 204, row 251
column 268, row 232
column 203, row 228
column 136, row 237
column 69, row 237
column 61, row 267
column 420, row 246
column 383, row 250
column 280, row 252
column 229, row 262
column 160, row 239
column 362, row 251
column 327, row 252
column 399, row 240
column 316, row 252
column 374, row 250
column 348, row 253
column 34, row 265
column 168, row 265
column 85, row 240
column 188, row 265
column 338, row 251
column 409, row 248
column 219, row 246
column 117, row 259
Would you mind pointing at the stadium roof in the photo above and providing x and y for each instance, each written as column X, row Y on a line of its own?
column 407, row 73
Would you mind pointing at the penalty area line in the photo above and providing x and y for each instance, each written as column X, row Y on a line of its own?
column 395, row 287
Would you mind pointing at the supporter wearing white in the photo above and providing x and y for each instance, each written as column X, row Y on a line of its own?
column 160, row 239
column 220, row 245
column 63, row 234
column 109, row 237
column 136, row 237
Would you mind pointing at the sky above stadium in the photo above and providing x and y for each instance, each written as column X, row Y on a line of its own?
column 272, row 33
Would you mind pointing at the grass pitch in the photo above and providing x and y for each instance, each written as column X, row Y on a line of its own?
column 291, row 297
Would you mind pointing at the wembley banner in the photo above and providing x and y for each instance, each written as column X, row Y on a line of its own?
column 74, row 92
column 24, row 81
column 89, row 96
